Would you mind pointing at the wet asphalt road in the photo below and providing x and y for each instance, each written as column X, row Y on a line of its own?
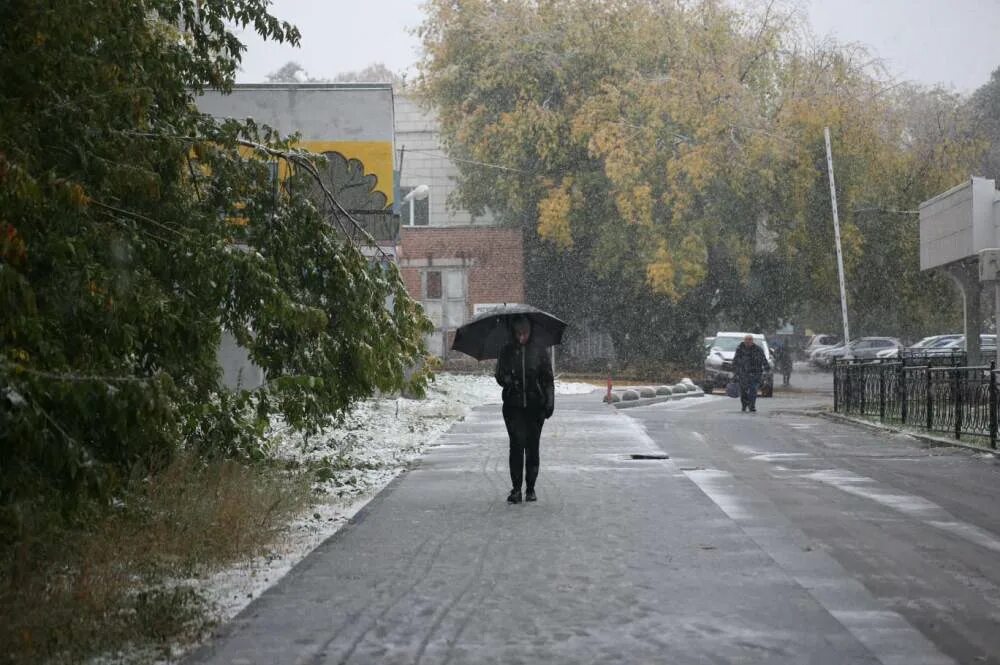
column 774, row 537
column 915, row 528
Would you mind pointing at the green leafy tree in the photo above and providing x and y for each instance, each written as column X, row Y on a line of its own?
column 377, row 72
column 673, row 153
column 134, row 229
column 290, row 72
column 985, row 109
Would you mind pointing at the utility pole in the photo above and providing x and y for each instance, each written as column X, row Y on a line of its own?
column 836, row 237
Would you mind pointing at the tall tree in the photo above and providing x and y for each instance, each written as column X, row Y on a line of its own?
column 377, row 72
column 134, row 229
column 290, row 72
column 685, row 164
column 985, row 108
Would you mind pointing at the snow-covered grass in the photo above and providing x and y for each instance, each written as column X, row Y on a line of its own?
column 353, row 462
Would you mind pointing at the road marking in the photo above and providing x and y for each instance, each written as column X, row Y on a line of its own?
column 910, row 505
column 771, row 457
column 886, row 634
column 714, row 484
column 762, row 456
column 970, row 532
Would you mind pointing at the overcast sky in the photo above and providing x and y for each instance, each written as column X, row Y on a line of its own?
column 954, row 43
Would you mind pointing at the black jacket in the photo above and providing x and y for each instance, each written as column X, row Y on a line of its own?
column 750, row 361
column 526, row 376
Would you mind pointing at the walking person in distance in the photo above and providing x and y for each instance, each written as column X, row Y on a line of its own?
column 525, row 373
column 749, row 365
column 783, row 359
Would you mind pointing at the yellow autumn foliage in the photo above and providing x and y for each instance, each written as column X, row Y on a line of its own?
column 553, row 215
column 692, row 262
column 660, row 271
column 663, row 130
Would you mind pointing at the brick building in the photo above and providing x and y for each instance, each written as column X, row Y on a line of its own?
column 453, row 262
column 455, row 271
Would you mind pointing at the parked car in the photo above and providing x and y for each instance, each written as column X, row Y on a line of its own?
column 920, row 347
column 987, row 344
column 821, row 356
column 719, row 362
column 863, row 349
column 708, row 342
column 817, row 341
column 868, row 347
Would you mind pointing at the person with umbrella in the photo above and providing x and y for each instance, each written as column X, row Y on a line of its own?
column 525, row 373
column 518, row 336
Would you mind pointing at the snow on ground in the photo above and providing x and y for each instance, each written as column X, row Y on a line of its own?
column 378, row 439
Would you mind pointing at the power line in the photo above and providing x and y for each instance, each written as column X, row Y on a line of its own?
column 437, row 151
column 895, row 211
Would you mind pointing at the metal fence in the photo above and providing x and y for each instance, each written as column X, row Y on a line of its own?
column 927, row 393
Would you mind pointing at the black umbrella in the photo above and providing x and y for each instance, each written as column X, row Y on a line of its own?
column 485, row 334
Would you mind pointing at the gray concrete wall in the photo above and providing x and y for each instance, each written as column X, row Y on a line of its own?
column 238, row 373
column 320, row 112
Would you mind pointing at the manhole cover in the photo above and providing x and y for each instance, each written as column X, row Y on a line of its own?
column 649, row 456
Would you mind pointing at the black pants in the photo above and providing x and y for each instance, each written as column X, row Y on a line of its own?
column 748, row 390
column 524, row 428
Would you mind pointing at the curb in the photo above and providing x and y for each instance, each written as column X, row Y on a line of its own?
column 938, row 441
column 653, row 400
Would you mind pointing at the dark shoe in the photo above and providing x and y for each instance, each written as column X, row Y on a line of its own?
column 744, row 407
column 514, row 496
column 530, row 496
column 753, row 409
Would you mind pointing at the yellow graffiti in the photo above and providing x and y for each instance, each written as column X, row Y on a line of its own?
column 375, row 155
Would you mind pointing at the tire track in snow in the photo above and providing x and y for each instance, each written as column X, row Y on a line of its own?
column 321, row 653
column 474, row 604
column 402, row 594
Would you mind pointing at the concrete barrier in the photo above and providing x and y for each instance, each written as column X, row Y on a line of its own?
column 630, row 396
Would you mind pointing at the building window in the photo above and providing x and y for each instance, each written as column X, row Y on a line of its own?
column 432, row 285
column 414, row 213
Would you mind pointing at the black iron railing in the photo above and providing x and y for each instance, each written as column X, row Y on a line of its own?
column 935, row 396
column 931, row 359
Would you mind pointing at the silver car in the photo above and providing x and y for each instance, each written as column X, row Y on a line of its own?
column 865, row 348
column 921, row 347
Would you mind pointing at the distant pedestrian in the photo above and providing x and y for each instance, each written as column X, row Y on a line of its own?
column 749, row 365
column 524, row 371
column 783, row 359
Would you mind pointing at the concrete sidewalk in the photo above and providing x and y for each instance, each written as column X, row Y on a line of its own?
column 620, row 561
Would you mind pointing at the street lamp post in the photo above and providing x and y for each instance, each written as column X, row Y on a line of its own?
column 418, row 193
column 836, row 237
